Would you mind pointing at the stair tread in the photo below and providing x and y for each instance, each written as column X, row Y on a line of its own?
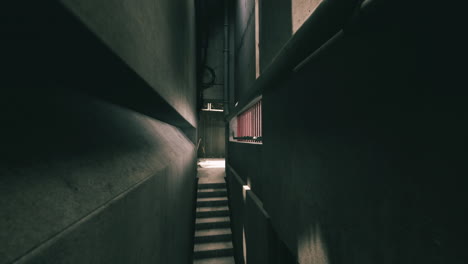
column 207, row 180
column 211, row 199
column 212, row 219
column 212, row 225
column 219, row 184
column 212, row 208
column 212, row 246
column 221, row 260
column 211, row 194
column 212, row 190
column 213, row 232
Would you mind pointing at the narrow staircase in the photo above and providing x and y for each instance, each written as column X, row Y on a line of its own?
column 213, row 238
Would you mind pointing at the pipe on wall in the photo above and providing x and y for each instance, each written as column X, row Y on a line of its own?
column 226, row 57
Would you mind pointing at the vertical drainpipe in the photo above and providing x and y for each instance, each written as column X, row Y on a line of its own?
column 226, row 57
column 227, row 129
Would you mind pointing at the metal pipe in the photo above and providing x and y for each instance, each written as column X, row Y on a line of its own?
column 226, row 57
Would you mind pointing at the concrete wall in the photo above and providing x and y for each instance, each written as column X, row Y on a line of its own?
column 88, row 174
column 249, row 167
column 363, row 149
column 87, row 181
column 211, row 134
column 244, row 49
column 301, row 10
column 155, row 38
column 212, row 45
column 276, row 29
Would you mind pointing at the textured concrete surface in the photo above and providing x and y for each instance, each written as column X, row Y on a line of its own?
column 237, row 206
column 211, row 232
column 225, row 260
column 262, row 243
column 276, row 28
column 247, row 161
column 364, row 147
column 87, row 180
column 211, row 134
column 301, row 10
column 212, row 246
column 212, row 38
column 244, row 49
column 78, row 173
column 157, row 40
column 59, row 49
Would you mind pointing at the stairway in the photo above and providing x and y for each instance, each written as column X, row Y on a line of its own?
column 213, row 241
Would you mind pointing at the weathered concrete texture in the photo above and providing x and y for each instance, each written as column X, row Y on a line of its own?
column 262, row 243
column 246, row 159
column 364, row 147
column 211, row 133
column 86, row 181
column 237, row 208
column 46, row 44
column 358, row 179
column 276, row 29
column 301, row 10
column 155, row 38
column 244, row 47
column 212, row 38
column 254, row 237
column 244, row 13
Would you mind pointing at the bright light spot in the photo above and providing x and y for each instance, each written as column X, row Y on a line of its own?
column 245, row 188
column 311, row 248
column 301, row 10
column 212, row 163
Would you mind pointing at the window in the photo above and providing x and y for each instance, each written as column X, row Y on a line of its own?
column 249, row 124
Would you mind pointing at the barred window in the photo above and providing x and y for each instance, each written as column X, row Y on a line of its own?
column 249, row 124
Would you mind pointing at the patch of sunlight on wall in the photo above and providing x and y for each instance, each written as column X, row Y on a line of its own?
column 311, row 247
column 245, row 188
column 301, row 10
column 257, row 39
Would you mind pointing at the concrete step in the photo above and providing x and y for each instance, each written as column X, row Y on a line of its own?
column 213, row 232
column 212, row 219
column 206, row 214
column 213, row 238
column 212, row 199
column 211, row 250
column 214, row 211
column 212, row 190
column 203, row 226
column 221, row 260
column 212, row 194
column 216, row 201
column 212, row 208
column 212, row 186
column 212, row 223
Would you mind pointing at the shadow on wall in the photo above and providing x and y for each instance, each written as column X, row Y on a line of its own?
column 275, row 28
column 60, row 51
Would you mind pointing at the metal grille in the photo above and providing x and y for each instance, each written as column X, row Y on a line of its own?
column 249, row 124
